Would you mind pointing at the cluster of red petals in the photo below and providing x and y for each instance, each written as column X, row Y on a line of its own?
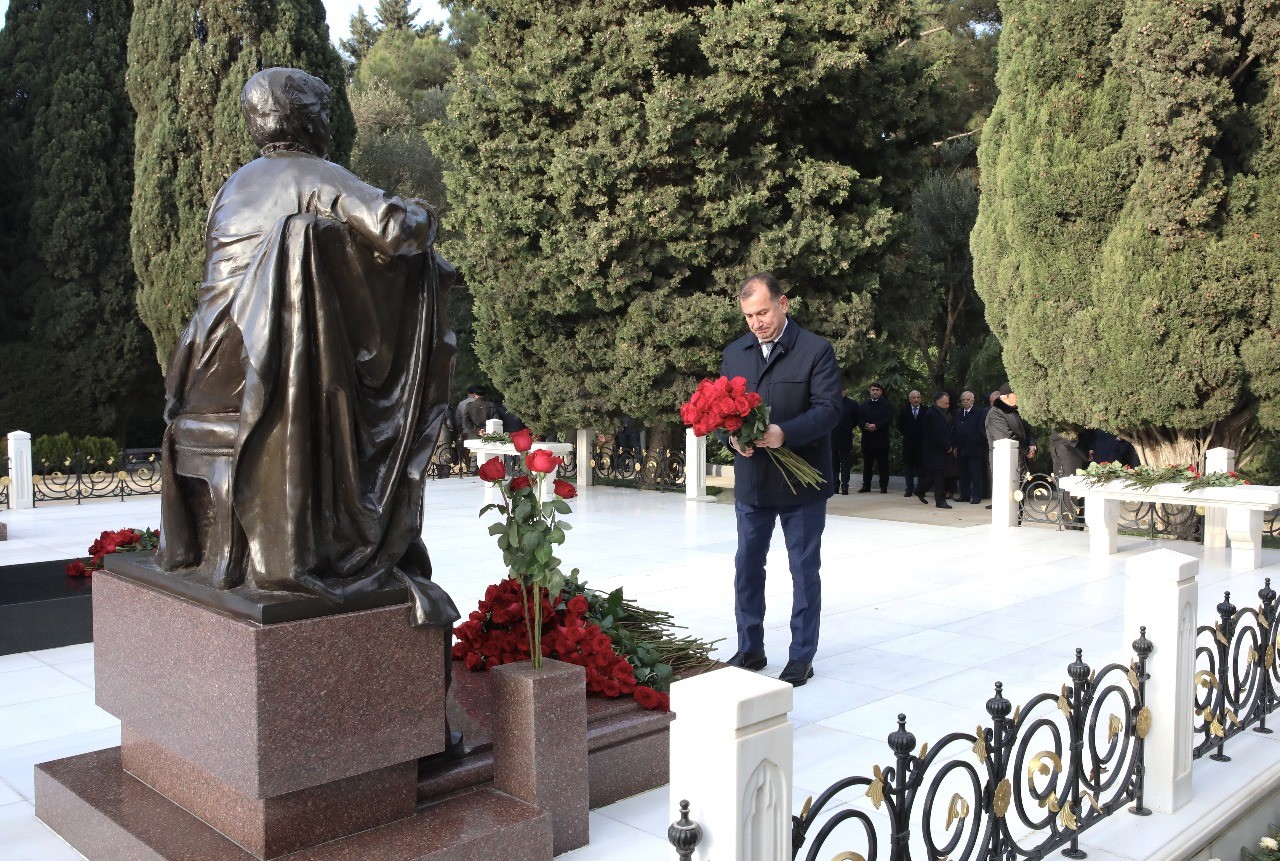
column 497, row 633
column 542, row 460
column 492, row 470
column 107, row 542
column 522, row 440
column 719, row 404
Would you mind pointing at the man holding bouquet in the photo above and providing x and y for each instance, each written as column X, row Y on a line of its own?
column 795, row 373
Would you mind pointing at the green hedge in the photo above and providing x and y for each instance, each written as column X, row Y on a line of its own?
column 53, row 452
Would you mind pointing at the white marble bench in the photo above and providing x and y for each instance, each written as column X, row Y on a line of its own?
column 485, row 450
column 1243, row 507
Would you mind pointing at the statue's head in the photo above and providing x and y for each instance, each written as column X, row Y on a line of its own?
column 287, row 106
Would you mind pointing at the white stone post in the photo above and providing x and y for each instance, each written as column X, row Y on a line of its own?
column 1215, row 519
column 731, row 759
column 493, row 426
column 21, row 489
column 695, row 467
column 1004, row 481
column 1160, row 592
column 584, row 448
column 1102, row 516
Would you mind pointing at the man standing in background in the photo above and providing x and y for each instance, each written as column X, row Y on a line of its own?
column 971, row 449
column 842, row 442
column 875, row 416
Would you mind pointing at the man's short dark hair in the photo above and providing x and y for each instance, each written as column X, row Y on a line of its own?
column 278, row 104
column 766, row 279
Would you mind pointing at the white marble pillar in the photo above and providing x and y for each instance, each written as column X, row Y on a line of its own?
column 695, row 467
column 1102, row 516
column 1004, row 481
column 1160, row 592
column 731, row 758
column 583, row 451
column 1215, row 519
column 1244, row 533
column 21, row 488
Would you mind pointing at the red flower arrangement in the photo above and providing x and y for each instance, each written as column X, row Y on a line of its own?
column 725, row 404
column 122, row 540
column 497, row 632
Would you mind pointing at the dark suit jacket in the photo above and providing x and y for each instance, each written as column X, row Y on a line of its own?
column 801, row 385
column 971, row 433
column 936, row 440
column 842, row 433
column 880, row 414
column 912, row 429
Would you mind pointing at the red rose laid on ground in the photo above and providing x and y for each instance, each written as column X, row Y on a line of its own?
column 564, row 489
column 120, row 541
column 496, row 633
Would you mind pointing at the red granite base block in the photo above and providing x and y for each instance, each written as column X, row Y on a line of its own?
column 634, row 764
column 107, row 815
column 540, row 744
column 268, row 709
column 269, row 827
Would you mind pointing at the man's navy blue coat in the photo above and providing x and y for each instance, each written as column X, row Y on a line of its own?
column 801, row 384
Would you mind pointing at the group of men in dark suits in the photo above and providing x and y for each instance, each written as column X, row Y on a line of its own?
column 931, row 436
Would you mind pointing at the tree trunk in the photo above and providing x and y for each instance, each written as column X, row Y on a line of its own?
column 1160, row 447
column 665, row 441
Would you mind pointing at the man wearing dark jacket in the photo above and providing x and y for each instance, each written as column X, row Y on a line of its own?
column 795, row 372
column 875, row 417
column 911, row 426
column 936, row 445
column 971, row 449
column 842, row 442
column 1003, row 422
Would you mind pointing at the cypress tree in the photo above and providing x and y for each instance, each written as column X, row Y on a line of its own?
column 188, row 62
column 79, row 359
column 617, row 167
column 1126, row 240
column 363, row 34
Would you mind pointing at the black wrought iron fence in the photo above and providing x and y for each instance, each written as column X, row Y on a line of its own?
column 1236, row 675
column 4, row 482
column 1041, row 500
column 132, row 472
column 1026, row 786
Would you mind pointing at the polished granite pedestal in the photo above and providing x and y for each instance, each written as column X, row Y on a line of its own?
column 243, row 740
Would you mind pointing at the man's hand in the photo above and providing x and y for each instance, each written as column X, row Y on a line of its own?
column 871, row 427
column 773, row 437
column 745, row 452
column 1031, row 452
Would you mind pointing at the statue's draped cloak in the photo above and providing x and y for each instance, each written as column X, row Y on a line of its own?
column 327, row 335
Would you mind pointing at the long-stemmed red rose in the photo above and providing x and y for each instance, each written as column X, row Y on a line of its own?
column 725, row 404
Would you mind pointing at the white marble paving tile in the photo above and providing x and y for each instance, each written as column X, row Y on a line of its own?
column 17, row 763
column 611, row 839
column 8, row 794
column 41, row 720
column 25, row 838
column 37, row 683
column 18, row 661
column 64, row 654
column 886, row 670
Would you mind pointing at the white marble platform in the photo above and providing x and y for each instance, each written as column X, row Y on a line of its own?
column 917, row 618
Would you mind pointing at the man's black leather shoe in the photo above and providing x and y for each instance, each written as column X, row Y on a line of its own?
column 864, row 490
column 921, row 497
column 909, row 493
column 748, row 660
column 945, row 504
column 796, row 673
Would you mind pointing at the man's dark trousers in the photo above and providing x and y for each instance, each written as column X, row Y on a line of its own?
column 973, row 476
column 802, row 527
column 872, row 460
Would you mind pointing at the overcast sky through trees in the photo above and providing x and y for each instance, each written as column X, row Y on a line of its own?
column 340, row 12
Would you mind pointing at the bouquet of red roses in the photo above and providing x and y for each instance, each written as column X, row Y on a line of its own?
column 725, row 404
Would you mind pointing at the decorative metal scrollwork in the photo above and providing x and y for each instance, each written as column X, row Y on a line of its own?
column 1236, row 676
column 1026, row 785
column 132, row 472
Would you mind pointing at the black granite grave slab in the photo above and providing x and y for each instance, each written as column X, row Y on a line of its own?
column 42, row 608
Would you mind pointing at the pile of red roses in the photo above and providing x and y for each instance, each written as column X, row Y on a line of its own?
column 122, row 540
column 497, row 633
column 722, row 403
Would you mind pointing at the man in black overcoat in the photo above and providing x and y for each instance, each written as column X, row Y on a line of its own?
column 936, row 444
column 911, row 426
column 842, row 442
column 875, row 417
column 971, row 448
column 795, row 372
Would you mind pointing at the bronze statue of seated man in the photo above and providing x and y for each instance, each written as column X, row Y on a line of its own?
column 306, row 394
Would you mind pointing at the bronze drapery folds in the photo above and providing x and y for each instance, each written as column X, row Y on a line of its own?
column 306, row 394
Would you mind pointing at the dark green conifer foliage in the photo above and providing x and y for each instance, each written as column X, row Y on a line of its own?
column 395, row 15
column 1126, row 246
column 188, row 62
column 617, row 167
column 76, row 358
column 363, row 34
